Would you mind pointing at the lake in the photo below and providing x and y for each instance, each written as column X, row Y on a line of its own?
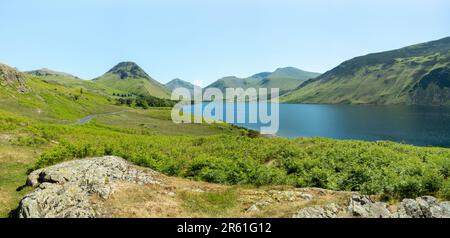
column 417, row 125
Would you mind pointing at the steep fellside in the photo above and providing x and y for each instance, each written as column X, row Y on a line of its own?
column 416, row 74
column 130, row 78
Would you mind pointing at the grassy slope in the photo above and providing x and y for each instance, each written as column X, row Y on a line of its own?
column 382, row 78
column 53, row 101
column 132, row 85
column 71, row 82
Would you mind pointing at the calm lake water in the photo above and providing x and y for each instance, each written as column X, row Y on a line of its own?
column 424, row 126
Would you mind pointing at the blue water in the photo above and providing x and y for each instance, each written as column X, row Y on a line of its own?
column 417, row 125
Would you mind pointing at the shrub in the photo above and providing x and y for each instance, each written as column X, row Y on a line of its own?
column 31, row 141
column 390, row 169
column 444, row 192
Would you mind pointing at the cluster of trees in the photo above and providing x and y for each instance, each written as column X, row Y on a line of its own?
column 143, row 101
column 76, row 97
column 123, row 95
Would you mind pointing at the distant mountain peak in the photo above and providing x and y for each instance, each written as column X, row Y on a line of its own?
column 45, row 72
column 286, row 68
column 128, row 69
column 261, row 75
column 179, row 83
column 285, row 79
column 176, row 80
column 293, row 71
column 130, row 78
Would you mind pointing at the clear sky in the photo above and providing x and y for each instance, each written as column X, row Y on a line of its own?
column 208, row 39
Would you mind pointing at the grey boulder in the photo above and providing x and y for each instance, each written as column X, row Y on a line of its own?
column 66, row 189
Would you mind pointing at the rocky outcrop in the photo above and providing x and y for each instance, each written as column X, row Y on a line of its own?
column 328, row 211
column 362, row 206
column 67, row 189
column 11, row 77
column 423, row 207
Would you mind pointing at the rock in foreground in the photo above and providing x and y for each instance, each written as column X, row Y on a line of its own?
column 362, row 206
column 67, row 189
column 112, row 187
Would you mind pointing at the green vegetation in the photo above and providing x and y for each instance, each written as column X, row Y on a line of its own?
column 23, row 140
column 386, row 168
column 128, row 77
column 50, row 101
column 14, row 161
column 403, row 76
column 390, row 169
column 143, row 101
column 69, row 81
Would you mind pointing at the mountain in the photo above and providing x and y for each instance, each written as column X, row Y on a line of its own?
column 128, row 77
column 283, row 78
column 286, row 78
column 178, row 83
column 44, row 72
column 417, row 74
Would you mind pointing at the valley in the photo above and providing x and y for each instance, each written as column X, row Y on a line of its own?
column 48, row 118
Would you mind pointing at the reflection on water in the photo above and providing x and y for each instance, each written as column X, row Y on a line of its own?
column 409, row 124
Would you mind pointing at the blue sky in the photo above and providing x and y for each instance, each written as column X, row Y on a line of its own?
column 207, row 39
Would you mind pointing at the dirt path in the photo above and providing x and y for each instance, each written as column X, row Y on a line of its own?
column 89, row 118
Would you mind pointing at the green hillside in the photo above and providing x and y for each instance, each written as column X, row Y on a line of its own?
column 283, row 78
column 68, row 80
column 38, row 97
column 416, row 74
column 128, row 77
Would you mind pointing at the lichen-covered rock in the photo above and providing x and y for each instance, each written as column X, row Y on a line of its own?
column 363, row 206
column 328, row 211
column 423, row 207
column 66, row 189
